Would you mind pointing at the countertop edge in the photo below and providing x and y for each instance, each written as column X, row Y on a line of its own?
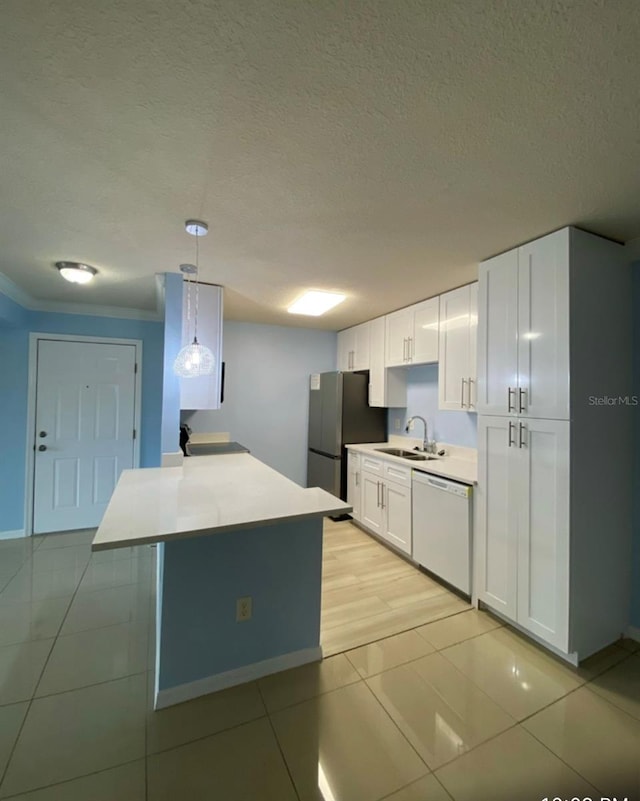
column 439, row 469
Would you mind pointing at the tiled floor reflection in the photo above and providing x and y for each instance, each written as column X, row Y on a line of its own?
column 423, row 698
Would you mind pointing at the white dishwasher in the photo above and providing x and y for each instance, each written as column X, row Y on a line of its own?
column 442, row 521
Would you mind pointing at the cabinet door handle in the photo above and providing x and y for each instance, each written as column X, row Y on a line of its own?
column 510, row 407
column 462, row 383
column 522, row 393
column 511, row 427
column 404, row 349
column 357, row 479
column 382, row 496
column 471, row 381
column 521, row 442
column 378, row 494
column 410, row 349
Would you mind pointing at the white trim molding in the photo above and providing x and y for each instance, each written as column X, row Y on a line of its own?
column 27, row 301
column 633, row 633
column 34, row 337
column 12, row 535
column 256, row 670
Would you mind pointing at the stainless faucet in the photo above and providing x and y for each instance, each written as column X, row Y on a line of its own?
column 425, row 442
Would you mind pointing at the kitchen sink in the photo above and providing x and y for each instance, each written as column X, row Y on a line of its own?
column 413, row 455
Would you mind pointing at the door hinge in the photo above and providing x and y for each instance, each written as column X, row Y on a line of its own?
column 134, row 433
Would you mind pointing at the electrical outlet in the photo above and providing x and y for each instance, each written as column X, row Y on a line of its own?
column 397, row 424
column 243, row 609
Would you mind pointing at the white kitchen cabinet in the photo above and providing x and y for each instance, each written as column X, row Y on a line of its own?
column 354, row 483
column 203, row 392
column 523, row 523
column 386, row 500
column 542, row 495
column 387, row 386
column 552, row 314
column 372, row 511
column 412, row 334
column 496, row 554
column 396, row 504
column 353, row 348
column 523, row 332
column 457, row 348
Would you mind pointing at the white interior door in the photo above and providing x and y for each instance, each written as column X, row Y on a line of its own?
column 84, row 434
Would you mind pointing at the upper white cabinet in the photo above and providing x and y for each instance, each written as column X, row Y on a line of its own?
column 523, row 330
column 204, row 391
column 412, row 334
column 387, row 387
column 457, row 386
column 354, row 348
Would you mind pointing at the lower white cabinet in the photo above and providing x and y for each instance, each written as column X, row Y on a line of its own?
column 523, row 527
column 354, row 484
column 396, row 506
column 386, row 501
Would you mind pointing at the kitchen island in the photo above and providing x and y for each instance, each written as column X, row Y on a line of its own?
column 228, row 528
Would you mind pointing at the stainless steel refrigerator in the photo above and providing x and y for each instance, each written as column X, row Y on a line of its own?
column 339, row 415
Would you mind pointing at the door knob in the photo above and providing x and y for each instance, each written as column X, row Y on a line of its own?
column 42, row 434
column 42, row 447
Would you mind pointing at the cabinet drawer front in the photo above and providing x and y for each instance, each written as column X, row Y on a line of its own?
column 371, row 464
column 398, row 473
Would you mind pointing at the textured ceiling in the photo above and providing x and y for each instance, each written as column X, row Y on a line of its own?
column 380, row 148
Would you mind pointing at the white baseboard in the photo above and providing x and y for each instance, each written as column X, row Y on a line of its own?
column 256, row 670
column 633, row 633
column 172, row 459
column 12, row 535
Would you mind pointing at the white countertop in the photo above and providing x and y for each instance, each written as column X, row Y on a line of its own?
column 459, row 466
column 206, row 495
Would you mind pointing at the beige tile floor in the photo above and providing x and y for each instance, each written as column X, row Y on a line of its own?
column 424, row 699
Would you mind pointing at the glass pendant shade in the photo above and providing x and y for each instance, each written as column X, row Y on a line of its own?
column 194, row 360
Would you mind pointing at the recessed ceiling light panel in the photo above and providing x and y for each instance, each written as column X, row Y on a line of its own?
column 75, row 272
column 315, row 303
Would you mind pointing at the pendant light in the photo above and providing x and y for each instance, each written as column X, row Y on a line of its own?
column 195, row 359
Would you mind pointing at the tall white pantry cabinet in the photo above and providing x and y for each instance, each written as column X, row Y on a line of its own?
column 553, row 526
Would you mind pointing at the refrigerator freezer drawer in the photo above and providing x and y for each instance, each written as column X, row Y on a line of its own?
column 324, row 472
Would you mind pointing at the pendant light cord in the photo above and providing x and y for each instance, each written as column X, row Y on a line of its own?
column 195, row 324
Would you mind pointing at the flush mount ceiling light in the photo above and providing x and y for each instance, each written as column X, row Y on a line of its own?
column 195, row 359
column 75, row 272
column 315, row 303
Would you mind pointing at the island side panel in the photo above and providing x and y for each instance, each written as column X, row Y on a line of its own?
column 200, row 646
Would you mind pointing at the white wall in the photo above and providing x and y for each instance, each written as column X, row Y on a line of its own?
column 267, row 391
column 456, row 428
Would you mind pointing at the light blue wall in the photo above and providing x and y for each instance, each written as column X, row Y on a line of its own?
column 15, row 326
column 170, row 437
column 278, row 566
column 635, row 578
column 266, row 404
column 456, row 428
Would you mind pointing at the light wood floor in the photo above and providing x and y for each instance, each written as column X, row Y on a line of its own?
column 368, row 592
